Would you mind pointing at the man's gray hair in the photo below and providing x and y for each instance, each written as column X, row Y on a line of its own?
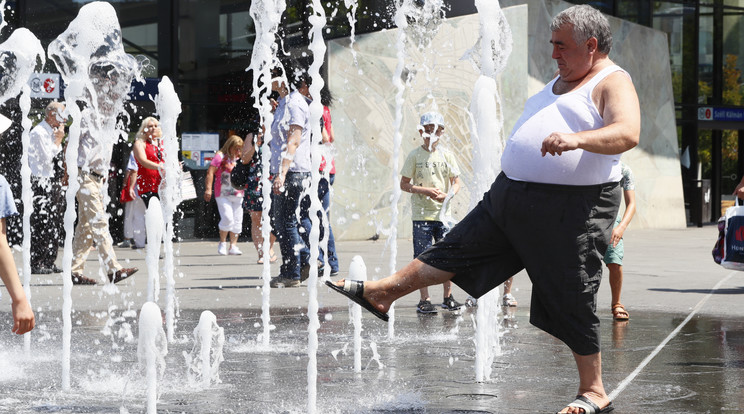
column 587, row 22
column 54, row 107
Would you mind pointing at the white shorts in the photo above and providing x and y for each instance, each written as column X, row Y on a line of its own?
column 231, row 213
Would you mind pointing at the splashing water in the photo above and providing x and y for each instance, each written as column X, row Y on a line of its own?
column 375, row 356
column 400, row 46
column 357, row 271
column 91, row 60
column 317, row 21
column 266, row 16
column 168, row 106
column 424, row 20
column 3, row 23
column 203, row 363
column 152, row 347
column 487, row 137
column 406, row 11
column 352, row 6
column 155, row 230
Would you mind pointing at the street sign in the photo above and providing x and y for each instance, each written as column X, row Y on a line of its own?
column 44, row 85
column 711, row 113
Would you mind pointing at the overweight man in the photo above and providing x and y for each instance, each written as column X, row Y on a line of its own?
column 551, row 210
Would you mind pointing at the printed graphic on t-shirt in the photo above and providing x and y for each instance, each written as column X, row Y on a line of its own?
column 226, row 188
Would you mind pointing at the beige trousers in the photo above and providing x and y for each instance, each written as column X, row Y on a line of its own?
column 92, row 226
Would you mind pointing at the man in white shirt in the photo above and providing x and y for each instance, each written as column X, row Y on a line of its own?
column 44, row 159
column 92, row 226
column 290, row 167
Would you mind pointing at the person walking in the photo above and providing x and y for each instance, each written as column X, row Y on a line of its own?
column 551, row 210
column 290, row 169
column 247, row 174
column 229, row 199
column 92, row 226
column 135, row 233
column 45, row 153
column 327, row 177
column 430, row 174
column 613, row 258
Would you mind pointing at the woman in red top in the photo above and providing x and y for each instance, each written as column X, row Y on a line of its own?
column 328, row 174
column 149, row 156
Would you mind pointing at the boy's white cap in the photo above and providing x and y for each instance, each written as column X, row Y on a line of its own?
column 431, row 118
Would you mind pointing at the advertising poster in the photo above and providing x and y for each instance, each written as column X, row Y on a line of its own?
column 198, row 149
column 45, row 85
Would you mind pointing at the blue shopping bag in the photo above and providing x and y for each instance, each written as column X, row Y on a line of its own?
column 729, row 248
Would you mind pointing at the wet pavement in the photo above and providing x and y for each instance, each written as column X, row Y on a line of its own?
column 685, row 313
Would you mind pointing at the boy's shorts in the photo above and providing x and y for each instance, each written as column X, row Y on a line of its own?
column 425, row 233
column 614, row 255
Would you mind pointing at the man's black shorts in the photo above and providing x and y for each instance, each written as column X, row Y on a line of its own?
column 558, row 233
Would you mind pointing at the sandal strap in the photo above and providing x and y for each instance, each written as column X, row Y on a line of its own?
column 586, row 404
column 354, row 287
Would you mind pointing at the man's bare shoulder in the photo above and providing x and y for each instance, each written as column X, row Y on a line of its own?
column 617, row 80
column 617, row 84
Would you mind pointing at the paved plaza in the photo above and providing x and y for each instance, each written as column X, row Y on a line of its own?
column 681, row 352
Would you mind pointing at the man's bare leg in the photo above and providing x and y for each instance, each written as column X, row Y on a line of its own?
column 590, row 381
column 415, row 275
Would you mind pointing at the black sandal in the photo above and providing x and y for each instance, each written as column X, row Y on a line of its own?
column 353, row 289
column 589, row 406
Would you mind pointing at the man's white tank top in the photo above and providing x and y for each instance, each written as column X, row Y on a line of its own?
column 545, row 113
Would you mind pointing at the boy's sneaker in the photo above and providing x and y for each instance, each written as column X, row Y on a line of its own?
column 235, row 251
column 425, row 306
column 282, row 282
column 509, row 300
column 451, row 304
column 222, row 249
column 471, row 302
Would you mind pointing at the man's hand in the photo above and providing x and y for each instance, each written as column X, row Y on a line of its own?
column 278, row 185
column 558, row 142
column 739, row 190
column 207, row 195
column 59, row 134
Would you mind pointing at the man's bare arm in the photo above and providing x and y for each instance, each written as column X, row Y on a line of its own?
column 619, row 107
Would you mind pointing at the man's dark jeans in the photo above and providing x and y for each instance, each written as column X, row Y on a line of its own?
column 324, row 194
column 285, row 208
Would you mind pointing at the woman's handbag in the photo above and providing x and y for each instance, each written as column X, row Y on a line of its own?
column 729, row 248
column 125, row 197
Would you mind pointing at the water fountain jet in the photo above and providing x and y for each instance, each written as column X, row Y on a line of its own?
column 90, row 57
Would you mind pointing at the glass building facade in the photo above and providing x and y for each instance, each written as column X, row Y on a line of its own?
column 204, row 47
column 706, row 48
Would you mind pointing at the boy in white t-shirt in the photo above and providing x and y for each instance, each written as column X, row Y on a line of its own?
column 430, row 174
